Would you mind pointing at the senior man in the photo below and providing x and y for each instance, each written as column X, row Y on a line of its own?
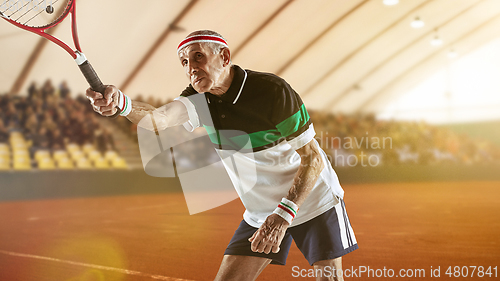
column 292, row 170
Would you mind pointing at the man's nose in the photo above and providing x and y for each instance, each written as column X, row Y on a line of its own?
column 192, row 67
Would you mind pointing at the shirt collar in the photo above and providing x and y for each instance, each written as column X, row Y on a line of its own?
column 234, row 92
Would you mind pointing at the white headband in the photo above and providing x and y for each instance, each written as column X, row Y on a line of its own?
column 201, row 39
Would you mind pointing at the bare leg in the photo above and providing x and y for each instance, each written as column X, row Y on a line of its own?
column 241, row 268
column 331, row 269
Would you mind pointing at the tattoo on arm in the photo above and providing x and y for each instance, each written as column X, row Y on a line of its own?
column 310, row 168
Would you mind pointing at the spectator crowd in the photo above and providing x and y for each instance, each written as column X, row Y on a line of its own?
column 399, row 142
column 49, row 119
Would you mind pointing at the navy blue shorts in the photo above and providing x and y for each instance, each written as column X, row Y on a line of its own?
column 327, row 236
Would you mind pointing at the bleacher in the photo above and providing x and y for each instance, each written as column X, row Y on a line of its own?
column 49, row 130
column 397, row 142
column 16, row 155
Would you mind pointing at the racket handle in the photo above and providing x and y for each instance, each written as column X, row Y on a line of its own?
column 94, row 81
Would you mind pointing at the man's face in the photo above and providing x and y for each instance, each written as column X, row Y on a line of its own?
column 202, row 67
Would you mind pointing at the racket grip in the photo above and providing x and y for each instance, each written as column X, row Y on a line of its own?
column 94, row 81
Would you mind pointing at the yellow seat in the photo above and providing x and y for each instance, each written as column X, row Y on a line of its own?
column 22, row 164
column 4, row 164
column 59, row 154
column 65, row 163
column 46, row 164
column 70, row 147
column 94, row 154
column 110, row 155
column 4, row 147
column 76, row 155
column 4, row 154
column 41, row 154
column 83, row 163
column 119, row 163
column 101, row 163
column 5, row 160
column 19, row 146
column 16, row 136
column 21, row 153
column 87, row 148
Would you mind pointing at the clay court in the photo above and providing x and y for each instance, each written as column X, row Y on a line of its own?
column 151, row 237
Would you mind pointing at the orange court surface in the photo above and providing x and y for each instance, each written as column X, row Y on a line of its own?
column 398, row 226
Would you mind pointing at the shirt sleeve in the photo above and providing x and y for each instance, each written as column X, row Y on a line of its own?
column 194, row 120
column 291, row 117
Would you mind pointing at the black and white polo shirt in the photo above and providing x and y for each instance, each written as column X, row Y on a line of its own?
column 264, row 121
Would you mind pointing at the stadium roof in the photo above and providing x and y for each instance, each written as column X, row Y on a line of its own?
column 340, row 55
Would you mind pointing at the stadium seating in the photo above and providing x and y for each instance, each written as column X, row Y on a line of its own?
column 42, row 154
column 100, row 163
column 46, row 163
column 93, row 154
column 110, row 155
column 119, row 163
column 83, row 163
column 4, row 164
column 22, row 163
column 60, row 154
column 48, row 129
column 17, row 156
column 65, row 163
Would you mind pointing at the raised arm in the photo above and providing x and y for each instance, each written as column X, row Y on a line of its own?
column 169, row 115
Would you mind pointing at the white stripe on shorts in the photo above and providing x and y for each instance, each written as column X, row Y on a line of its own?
column 346, row 232
column 351, row 232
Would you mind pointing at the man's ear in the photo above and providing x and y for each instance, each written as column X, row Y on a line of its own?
column 226, row 56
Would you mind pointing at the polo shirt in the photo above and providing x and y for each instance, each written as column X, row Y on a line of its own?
column 256, row 128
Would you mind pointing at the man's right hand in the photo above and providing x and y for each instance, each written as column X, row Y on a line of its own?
column 105, row 105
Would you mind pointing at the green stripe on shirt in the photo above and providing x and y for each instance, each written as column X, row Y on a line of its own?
column 257, row 139
column 284, row 129
column 293, row 123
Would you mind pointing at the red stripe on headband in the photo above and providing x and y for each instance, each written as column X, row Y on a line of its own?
column 216, row 39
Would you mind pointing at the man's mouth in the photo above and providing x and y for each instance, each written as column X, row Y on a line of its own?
column 197, row 80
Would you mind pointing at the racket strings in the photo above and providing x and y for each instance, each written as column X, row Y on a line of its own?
column 5, row 3
column 38, row 12
column 17, row 7
column 27, row 11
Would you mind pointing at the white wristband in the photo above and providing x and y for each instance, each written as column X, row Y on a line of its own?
column 287, row 210
column 284, row 214
column 124, row 104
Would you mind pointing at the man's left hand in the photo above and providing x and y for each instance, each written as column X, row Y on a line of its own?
column 268, row 237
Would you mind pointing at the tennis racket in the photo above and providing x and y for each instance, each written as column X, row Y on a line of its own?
column 38, row 16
